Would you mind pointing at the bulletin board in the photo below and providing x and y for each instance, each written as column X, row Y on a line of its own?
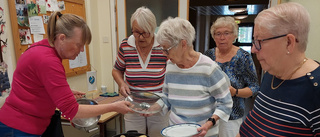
column 70, row 6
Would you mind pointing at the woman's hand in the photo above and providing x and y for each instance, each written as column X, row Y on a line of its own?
column 122, row 107
column 124, row 90
column 232, row 91
column 77, row 94
column 203, row 129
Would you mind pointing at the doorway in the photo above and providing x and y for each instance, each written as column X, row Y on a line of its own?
column 122, row 10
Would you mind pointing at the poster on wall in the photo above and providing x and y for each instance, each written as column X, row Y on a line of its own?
column 32, row 8
column 6, row 60
column 22, row 14
column 42, row 6
column 36, row 25
column 3, row 37
column 25, row 36
column 80, row 61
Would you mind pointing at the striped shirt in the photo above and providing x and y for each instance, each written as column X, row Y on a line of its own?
column 195, row 94
column 139, row 75
column 242, row 73
column 293, row 109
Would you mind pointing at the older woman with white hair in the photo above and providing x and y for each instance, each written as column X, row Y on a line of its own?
column 140, row 66
column 239, row 66
column 196, row 90
column 288, row 104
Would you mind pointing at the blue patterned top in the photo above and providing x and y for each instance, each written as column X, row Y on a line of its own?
column 242, row 73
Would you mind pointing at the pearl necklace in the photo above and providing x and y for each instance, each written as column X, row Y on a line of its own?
column 289, row 77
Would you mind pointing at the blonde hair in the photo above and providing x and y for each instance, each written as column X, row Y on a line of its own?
column 65, row 24
column 286, row 18
column 225, row 22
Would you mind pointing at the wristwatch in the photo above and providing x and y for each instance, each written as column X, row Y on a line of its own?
column 236, row 92
column 212, row 120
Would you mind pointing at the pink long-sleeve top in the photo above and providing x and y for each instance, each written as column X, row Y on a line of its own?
column 39, row 86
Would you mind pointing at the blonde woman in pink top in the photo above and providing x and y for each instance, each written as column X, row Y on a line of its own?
column 40, row 85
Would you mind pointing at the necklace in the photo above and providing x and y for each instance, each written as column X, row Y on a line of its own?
column 304, row 60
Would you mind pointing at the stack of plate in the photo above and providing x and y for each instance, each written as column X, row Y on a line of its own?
column 180, row 130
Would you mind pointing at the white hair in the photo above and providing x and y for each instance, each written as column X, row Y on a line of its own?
column 286, row 18
column 145, row 19
column 173, row 30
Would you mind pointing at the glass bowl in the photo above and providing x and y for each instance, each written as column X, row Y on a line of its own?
column 144, row 102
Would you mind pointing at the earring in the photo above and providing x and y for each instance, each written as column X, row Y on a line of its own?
column 288, row 52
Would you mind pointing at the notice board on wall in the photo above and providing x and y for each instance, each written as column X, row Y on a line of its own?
column 20, row 23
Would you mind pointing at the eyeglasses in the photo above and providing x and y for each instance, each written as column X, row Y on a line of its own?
column 166, row 51
column 144, row 34
column 257, row 42
column 219, row 34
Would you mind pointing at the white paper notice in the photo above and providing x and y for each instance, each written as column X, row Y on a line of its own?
column 80, row 61
column 92, row 80
column 36, row 25
column 37, row 37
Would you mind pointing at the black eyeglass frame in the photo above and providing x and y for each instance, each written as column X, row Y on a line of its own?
column 258, row 47
column 144, row 34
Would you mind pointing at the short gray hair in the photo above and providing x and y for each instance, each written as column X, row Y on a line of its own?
column 286, row 18
column 173, row 30
column 145, row 19
column 225, row 22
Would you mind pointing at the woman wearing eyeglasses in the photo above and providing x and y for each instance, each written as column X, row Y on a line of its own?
column 196, row 90
column 140, row 66
column 288, row 104
column 239, row 67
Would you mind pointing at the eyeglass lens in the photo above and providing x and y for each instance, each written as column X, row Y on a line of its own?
column 144, row 34
column 224, row 34
column 257, row 43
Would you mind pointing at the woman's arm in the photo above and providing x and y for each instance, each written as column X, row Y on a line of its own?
column 119, row 78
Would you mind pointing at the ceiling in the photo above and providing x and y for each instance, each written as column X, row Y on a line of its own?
column 224, row 9
column 221, row 7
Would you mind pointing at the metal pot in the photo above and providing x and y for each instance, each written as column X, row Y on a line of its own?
column 131, row 133
column 86, row 124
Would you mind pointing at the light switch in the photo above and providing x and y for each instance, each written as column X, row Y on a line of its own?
column 105, row 39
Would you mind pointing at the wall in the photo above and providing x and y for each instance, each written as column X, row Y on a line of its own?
column 98, row 19
column 9, row 57
column 313, row 47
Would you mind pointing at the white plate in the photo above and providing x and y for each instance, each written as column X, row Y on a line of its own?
column 181, row 130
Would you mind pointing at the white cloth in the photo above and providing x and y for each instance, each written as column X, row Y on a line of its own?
column 154, row 123
column 230, row 128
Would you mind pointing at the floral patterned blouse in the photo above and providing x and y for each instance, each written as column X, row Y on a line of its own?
column 242, row 73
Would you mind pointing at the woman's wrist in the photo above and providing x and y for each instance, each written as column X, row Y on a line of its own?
column 237, row 91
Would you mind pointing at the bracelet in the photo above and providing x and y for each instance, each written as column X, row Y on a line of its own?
column 237, row 91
